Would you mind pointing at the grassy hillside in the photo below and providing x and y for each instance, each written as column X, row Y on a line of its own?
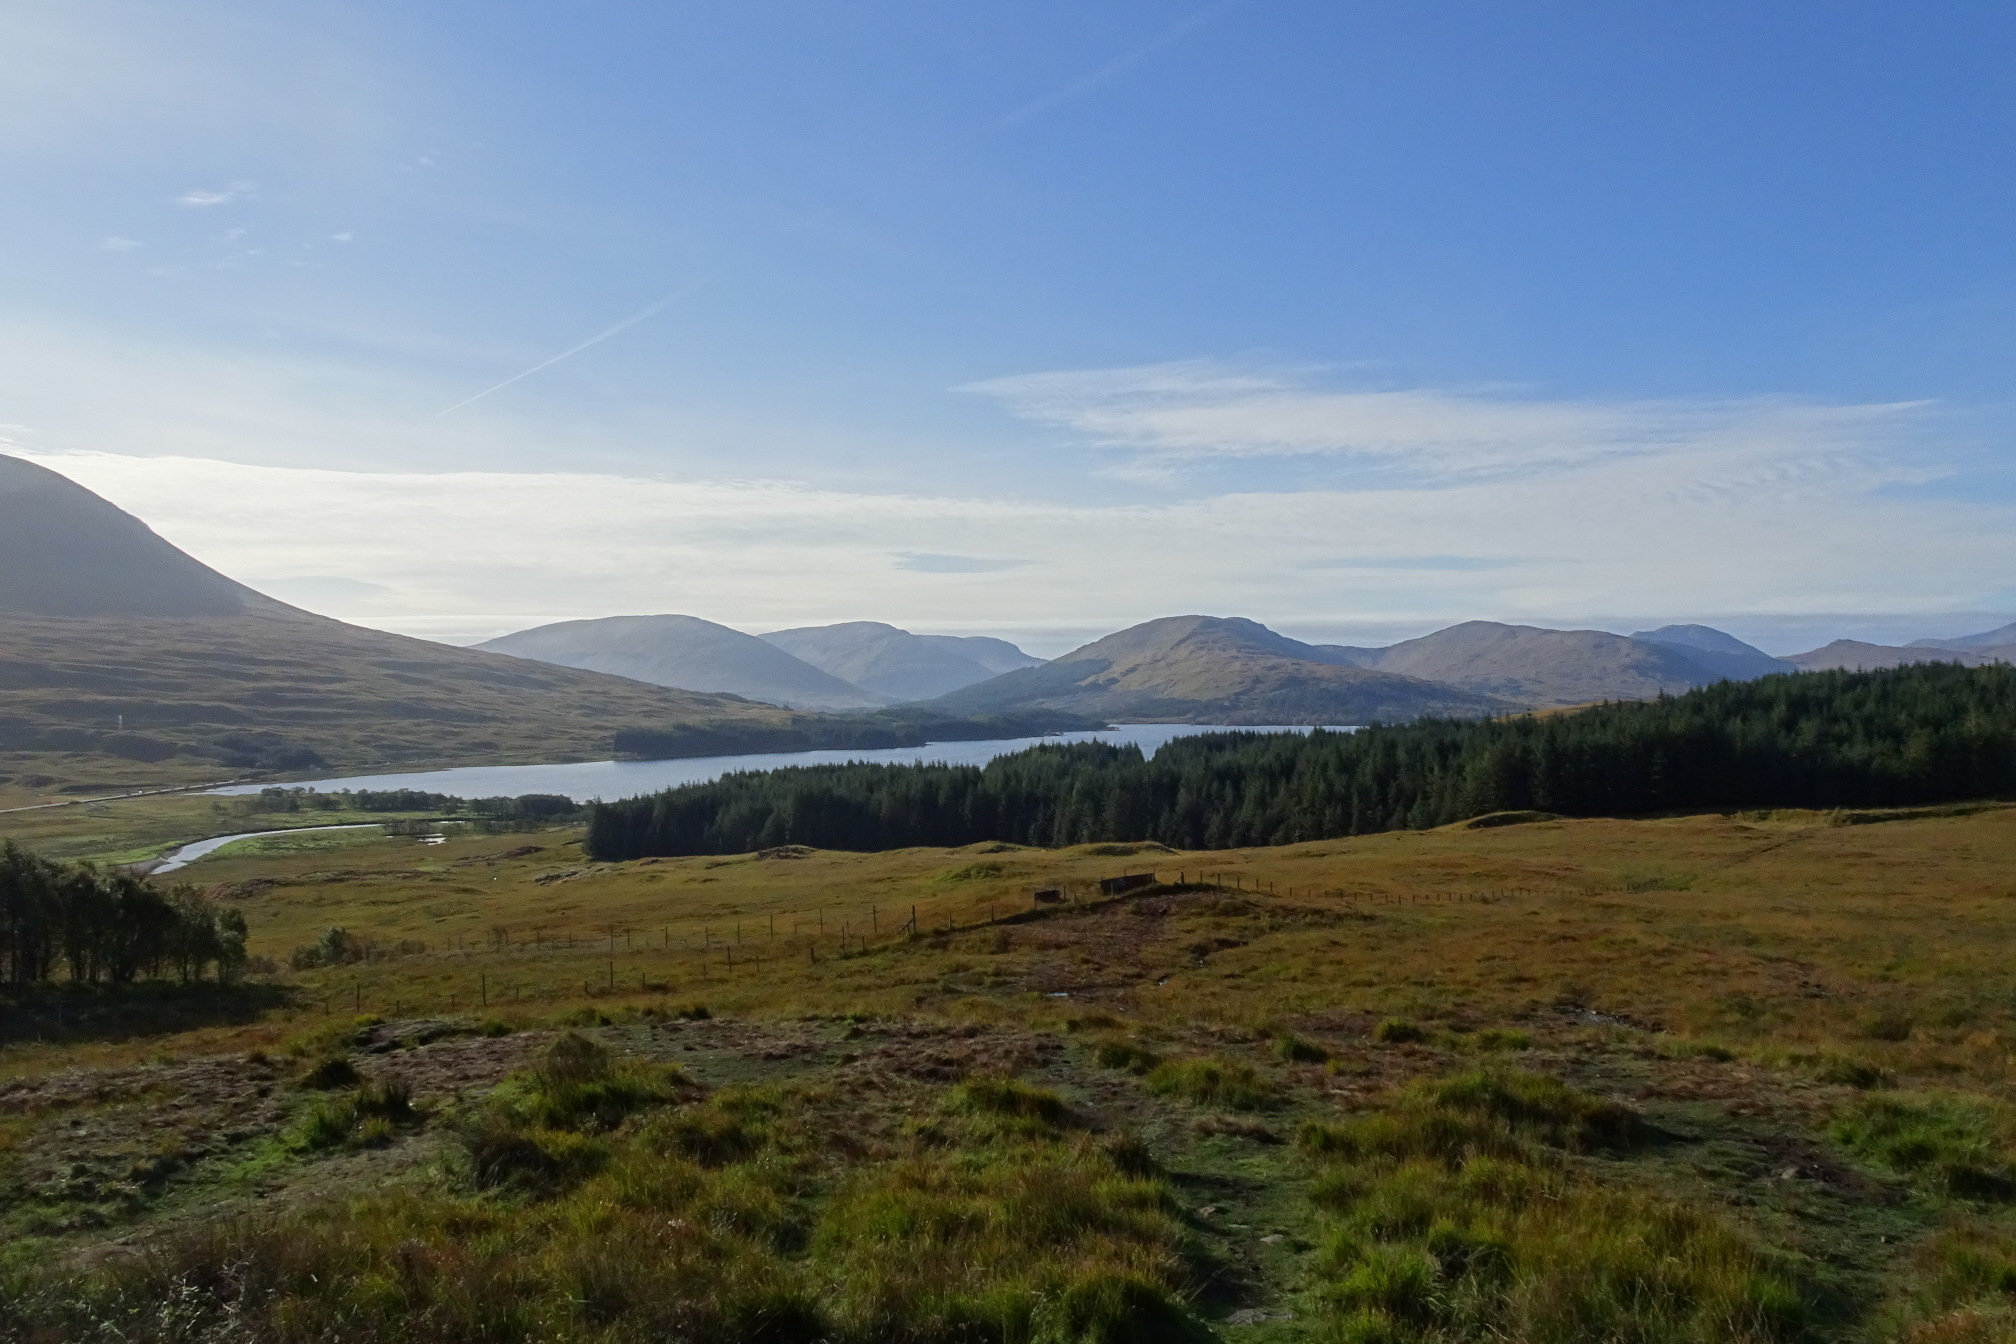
column 211, row 697
column 1703, row 1078
column 1535, row 667
column 125, row 663
column 1202, row 669
column 1855, row 656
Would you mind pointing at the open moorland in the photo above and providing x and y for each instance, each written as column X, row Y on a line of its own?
column 1708, row 1077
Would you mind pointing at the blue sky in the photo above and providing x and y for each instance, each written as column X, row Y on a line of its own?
column 1035, row 319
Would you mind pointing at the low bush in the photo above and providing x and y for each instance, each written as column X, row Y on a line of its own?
column 1399, row 1031
column 1888, row 1026
column 1126, row 1055
column 1537, row 1105
column 371, row 1115
column 1214, row 1082
column 1845, row 1071
column 730, row 1126
column 503, row 1151
column 331, row 1071
column 1292, row 1049
column 1006, row 1102
column 577, row 1084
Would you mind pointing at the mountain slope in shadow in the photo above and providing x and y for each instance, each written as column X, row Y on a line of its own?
column 125, row 662
column 689, row 653
column 895, row 663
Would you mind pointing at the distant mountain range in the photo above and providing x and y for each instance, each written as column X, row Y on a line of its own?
column 1199, row 669
column 1214, row 669
column 688, row 653
column 1855, row 656
column 897, row 664
column 855, row 665
column 118, row 651
column 1532, row 667
column 2001, row 637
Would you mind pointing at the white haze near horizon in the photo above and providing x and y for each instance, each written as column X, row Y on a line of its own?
column 1739, row 523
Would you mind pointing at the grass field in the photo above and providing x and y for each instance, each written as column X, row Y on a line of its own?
column 1695, row 1078
column 130, row 830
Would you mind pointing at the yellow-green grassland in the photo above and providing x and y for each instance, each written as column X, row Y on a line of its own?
column 1701, row 1078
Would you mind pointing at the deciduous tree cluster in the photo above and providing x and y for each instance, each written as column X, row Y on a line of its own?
column 107, row 925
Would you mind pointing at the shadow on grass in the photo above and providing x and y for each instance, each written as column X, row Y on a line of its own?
column 71, row 1013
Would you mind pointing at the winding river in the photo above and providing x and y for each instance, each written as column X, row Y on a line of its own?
column 184, row 855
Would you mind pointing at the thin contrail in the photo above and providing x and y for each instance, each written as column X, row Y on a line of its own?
column 1119, row 65
column 597, row 339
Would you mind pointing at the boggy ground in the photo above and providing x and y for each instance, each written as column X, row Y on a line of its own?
column 1697, row 1078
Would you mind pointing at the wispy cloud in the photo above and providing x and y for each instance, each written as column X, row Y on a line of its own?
column 1116, row 67
column 112, row 242
column 1160, row 417
column 321, row 590
column 927, row 563
column 1449, row 564
column 648, row 310
column 202, row 197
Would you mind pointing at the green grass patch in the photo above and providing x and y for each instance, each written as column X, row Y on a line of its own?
column 753, row 1216
column 578, row 1084
column 1005, row 1102
column 282, row 843
column 1214, row 1082
column 1957, row 1146
column 1399, row 1031
column 1133, row 1058
column 986, row 870
column 1454, row 1214
column 368, row 1117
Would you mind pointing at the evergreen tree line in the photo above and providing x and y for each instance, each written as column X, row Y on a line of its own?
column 528, row 807
column 95, row 925
column 1921, row 734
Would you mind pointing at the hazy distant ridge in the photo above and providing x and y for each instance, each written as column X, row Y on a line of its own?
column 689, row 653
column 896, row 663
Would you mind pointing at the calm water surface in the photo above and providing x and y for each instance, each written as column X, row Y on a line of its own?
column 586, row 781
